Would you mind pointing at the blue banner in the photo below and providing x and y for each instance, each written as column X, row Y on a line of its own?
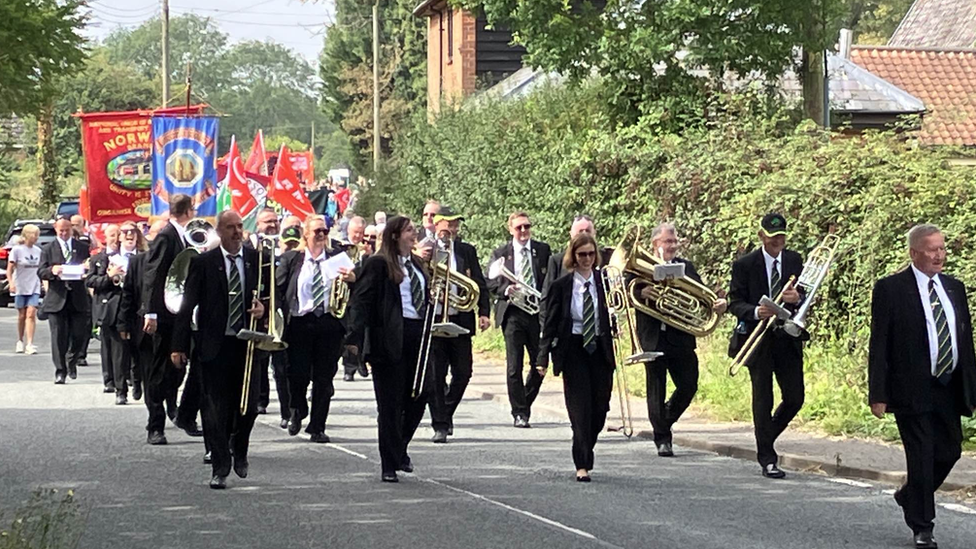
column 184, row 162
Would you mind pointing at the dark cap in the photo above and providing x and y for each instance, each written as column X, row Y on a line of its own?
column 773, row 224
column 291, row 234
column 446, row 213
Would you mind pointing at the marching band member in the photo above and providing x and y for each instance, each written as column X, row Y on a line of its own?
column 922, row 369
column 765, row 272
column 386, row 326
column 356, row 231
column 431, row 207
column 679, row 357
column 577, row 335
column 313, row 334
column 267, row 225
column 528, row 259
column 454, row 354
column 223, row 283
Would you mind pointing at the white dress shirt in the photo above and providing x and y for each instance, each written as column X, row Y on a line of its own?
column 65, row 248
column 518, row 258
column 769, row 274
column 180, row 230
column 576, row 304
column 305, row 278
column 406, row 294
column 922, row 280
column 440, row 253
column 238, row 264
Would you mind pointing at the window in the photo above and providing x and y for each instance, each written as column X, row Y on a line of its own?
column 450, row 36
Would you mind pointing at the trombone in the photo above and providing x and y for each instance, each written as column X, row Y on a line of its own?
column 758, row 333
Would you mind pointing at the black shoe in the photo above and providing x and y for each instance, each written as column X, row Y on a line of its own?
column 156, row 438
column 191, row 429
column 320, row 438
column 83, row 362
column 137, row 391
column 121, row 400
column 363, row 371
column 72, row 374
column 240, row 468
column 218, row 482
column 772, row 471
column 925, row 540
column 207, row 459
column 584, row 478
column 900, row 497
column 59, row 379
column 390, row 477
column 348, row 377
column 406, row 465
column 440, row 437
column 262, row 410
column 109, row 389
column 284, row 423
column 171, row 412
column 522, row 422
column 664, row 449
column 450, row 428
column 295, row 423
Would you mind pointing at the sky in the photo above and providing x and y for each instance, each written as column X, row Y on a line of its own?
column 297, row 25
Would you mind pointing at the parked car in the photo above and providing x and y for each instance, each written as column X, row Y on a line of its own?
column 10, row 240
column 67, row 207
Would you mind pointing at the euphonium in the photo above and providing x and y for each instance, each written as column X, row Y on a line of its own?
column 200, row 237
column 684, row 303
column 340, row 292
column 466, row 294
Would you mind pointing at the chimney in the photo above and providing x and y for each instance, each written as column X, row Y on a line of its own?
column 846, row 38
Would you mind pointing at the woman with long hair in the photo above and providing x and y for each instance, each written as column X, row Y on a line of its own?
column 386, row 324
column 25, row 285
column 576, row 332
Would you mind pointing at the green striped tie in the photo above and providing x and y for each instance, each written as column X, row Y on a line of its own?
column 318, row 287
column 774, row 280
column 589, row 321
column 527, row 275
column 943, row 364
column 235, row 308
column 416, row 288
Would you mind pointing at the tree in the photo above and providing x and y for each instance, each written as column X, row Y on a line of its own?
column 874, row 21
column 41, row 42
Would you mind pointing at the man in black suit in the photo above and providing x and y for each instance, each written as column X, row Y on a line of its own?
column 766, row 272
column 922, row 369
column 129, row 322
column 528, row 260
column 582, row 224
column 79, row 226
column 223, row 283
column 454, row 354
column 267, row 225
column 356, row 232
column 162, row 379
column 67, row 302
column 679, row 358
column 105, row 280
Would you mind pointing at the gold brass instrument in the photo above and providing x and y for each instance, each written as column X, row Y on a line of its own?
column 758, row 333
column 200, row 237
column 523, row 296
column 340, row 292
column 814, row 272
column 684, row 304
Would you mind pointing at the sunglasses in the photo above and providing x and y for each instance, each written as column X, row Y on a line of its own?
column 130, row 231
column 523, row 227
column 321, row 231
column 584, row 255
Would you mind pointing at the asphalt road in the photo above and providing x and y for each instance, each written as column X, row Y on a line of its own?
column 491, row 486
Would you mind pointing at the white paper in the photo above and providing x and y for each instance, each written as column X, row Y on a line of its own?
column 72, row 272
column 669, row 271
column 119, row 260
column 333, row 264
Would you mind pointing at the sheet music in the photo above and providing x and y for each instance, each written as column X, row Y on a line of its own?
column 333, row 264
column 72, row 272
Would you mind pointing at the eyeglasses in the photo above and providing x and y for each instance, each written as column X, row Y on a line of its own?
column 523, row 227
column 130, row 231
column 321, row 231
column 584, row 255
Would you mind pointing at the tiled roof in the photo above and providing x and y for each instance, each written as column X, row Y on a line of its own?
column 937, row 24
column 944, row 80
column 11, row 133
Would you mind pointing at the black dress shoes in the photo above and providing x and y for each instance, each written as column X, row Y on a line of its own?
column 108, row 389
column 390, row 477
column 406, row 465
column 83, row 362
column 72, row 374
column 295, row 423
column 900, row 497
column 925, row 540
column 137, row 391
column 320, row 438
column 583, row 478
column 240, row 468
column 522, row 422
column 772, row 471
column 664, row 449
column 262, row 410
column 207, row 459
column 121, row 400
column 218, row 482
column 59, row 379
column 440, row 437
column 284, row 423
column 348, row 377
column 156, row 438
column 191, row 429
column 363, row 371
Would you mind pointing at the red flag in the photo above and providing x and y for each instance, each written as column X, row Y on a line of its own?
column 257, row 161
column 285, row 189
column 235, row 184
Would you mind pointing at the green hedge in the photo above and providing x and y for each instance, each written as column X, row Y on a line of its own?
column 554, row 155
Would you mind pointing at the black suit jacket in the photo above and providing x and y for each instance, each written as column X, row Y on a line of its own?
column 541, row 254
column 206, row 286
column 649, row 328
column 130, row 317
column 59, row 291
column 558, row 327
column 288, row 269
column 466, row 258
column 163, row 250
column 749, row 284
column 375, row 317
column 899, row 366
column 107, row 294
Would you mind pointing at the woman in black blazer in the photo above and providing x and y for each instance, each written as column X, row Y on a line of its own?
column 576, row 331
column 386, row 322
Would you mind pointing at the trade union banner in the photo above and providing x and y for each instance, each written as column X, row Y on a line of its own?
column 184, row 162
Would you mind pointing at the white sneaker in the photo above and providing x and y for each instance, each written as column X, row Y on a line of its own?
column 20, row 347
column 30, row 350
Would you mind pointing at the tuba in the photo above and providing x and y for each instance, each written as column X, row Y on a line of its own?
column 200, row 237
column 683, row 304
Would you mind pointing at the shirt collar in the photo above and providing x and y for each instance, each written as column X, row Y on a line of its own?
column 180, row 229
column 923, row 279
column 321, row 257
column 227, row 254
column 769, row 259
column 579, row 278
column 517, row 248
column 65, row 243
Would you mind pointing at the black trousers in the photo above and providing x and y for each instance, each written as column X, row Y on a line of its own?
column 262, row 360
column 84, row 340
column 454, row 355
column 162, row 379
column 587, row 387
column 223, row 424
column 279, row 363
column 780, row 357
column 115, row 359
column 664, row 412
column 351, row 363
column 191, row 401
column 933, row 444
column 314, row 346
column 67, row 332
column 137, row 360
column 399, row 413
column 521, row 331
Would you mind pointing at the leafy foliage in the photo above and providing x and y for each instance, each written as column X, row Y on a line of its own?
column 874, row 21
column 49, row 520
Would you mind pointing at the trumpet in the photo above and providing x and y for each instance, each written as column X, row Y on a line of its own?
column 523, row 296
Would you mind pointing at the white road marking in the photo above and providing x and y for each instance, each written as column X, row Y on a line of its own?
column 849, row 482
column 958, row 508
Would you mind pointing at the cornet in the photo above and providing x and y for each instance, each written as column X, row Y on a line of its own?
column 521, row 295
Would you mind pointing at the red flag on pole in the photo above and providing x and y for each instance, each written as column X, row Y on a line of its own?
column 257, row 161
column 235, row 185
column 285, row 189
